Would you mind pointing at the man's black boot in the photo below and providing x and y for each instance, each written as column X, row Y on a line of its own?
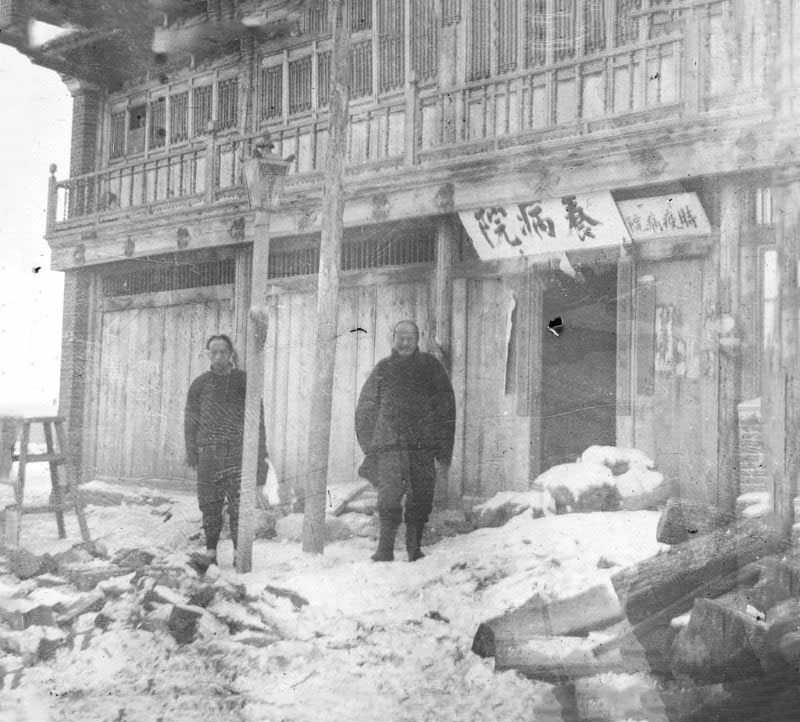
column 414, row 540
column 388, row 531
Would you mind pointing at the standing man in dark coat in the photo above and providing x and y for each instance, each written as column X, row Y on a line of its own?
column 214, row 429
column 405, row 423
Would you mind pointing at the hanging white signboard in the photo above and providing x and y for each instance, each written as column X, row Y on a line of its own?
column 546, row 227
column 680, row 214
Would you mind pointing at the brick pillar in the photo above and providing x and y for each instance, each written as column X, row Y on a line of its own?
column 86, row 104
column 13, row 16
column 74, row 366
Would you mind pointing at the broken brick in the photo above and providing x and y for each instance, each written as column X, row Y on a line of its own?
column 87, row 576
column 103, row 621
column 133, row 558
column 203, row 596
column 89, row 602
column 24, row 564
column 157, row 621
column 22, row 613
column 50, row 580
column 163, row 595
column 183, row 622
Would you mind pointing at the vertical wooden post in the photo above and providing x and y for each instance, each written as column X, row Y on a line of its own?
column 443, row 290
column 52, row 200
column 264, row 179
column 782, row 358
column 333, row 201
column 733, row 215
column 733, row 210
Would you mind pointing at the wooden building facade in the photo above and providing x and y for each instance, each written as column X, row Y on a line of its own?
column 456, row 106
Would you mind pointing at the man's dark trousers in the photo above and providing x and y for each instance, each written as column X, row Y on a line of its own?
column 409, row 473
column 219, row 480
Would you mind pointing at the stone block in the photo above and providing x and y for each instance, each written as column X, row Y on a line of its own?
column 88, row 602
column 22, row 613
column 24, row 564
column 133, row 558
column 183, row 622
column 86, row 576
column 203, row 596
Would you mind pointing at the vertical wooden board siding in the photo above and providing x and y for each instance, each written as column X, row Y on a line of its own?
column 365, row 352
column 148, row 450
column 459, row 343
column 473, row 407
column 750, row 322
column 271, row 391
column 307, row 369
column 677, row 414
column 710, row 379
column 173, row 395
column 342, row 435
column 535, row 322
column 132, row 424
column 285, row 330
column 107, row 391
column 292, row 352
column 645, row 337
column 498, row 427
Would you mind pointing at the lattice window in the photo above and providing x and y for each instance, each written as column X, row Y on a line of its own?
column 117, row 148
column 361, row 69
column 293, row 262
column 625, row 24
column 536, row 35
column 300, row 85
column 158, row 123
column 400, row 250
column 201, row 105
column 178, row 117
column 564, row 29
column 227, row 103
column 480, row 34
column 507, row 24
column 424, row 39
column 762, row 206
column 270, row 88
column 166, row 275
column 391, row 45
column 451, row 12
column 594, row 18
column 387, row 249
column 360, row 14
column 323, row 79
column 316, row 18
column 661, row 22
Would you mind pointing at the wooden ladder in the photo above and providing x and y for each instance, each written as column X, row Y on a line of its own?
column 53, row 427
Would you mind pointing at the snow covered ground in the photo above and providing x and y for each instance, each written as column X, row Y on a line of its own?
column 375, row 642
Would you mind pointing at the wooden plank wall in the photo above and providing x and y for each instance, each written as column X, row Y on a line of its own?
column 676, row 412
column 150, row 353
column 374, row 303
column 492, row 451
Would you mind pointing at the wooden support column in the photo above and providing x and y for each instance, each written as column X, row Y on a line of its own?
column 446, row 231
column 74, row 367
column 733, row 215
column 264, row 180
column 441, row 328
column 333, row 200
column 781, row 365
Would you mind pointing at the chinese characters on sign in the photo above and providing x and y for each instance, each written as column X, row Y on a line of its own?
column 681, row 214
column 543, row 227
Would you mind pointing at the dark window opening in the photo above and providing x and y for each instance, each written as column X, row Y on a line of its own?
column 166, row 275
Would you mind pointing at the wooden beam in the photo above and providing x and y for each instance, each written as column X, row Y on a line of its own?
column 733, row 208
column 443, row 289
column 782, row 356
column 264, row 177
column 333, row 201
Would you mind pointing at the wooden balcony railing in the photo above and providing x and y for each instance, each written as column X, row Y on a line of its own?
column 696, row 61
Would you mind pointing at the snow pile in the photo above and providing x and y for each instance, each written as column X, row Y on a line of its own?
column 606, row 478
column 507, row 504
column 346, row 638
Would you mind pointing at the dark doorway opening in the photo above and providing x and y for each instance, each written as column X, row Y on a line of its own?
column 579, row 366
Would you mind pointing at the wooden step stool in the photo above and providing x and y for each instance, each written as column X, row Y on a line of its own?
column 19, row 429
